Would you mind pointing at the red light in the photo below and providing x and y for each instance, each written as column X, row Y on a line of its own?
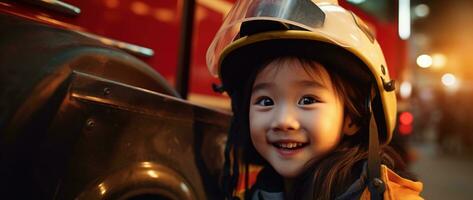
column 406, row 118
column 405, row 129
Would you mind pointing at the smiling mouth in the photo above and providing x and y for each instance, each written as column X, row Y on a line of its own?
column 289, row 145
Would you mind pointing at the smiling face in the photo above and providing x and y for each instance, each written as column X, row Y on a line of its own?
column 296, row 115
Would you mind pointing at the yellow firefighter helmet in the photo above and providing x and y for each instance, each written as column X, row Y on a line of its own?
column 259, row 26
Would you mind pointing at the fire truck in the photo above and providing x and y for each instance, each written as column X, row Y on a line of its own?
column 112, row 99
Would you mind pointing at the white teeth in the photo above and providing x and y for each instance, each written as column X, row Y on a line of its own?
column 289, row 145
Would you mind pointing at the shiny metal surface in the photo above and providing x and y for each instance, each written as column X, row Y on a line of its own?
column 130, row 48
column 36, row 59
column 153, row 179
column 65, row 134
column 94, row 138
column 56, row 5
column 153, row 25
column 91, row 88
column 129, row 142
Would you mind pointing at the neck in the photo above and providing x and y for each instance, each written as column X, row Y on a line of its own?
column 288, row 188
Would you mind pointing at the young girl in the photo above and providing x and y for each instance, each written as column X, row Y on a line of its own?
column 312, row 102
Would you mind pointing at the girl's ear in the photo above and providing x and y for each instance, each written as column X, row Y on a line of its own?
column 349, row 128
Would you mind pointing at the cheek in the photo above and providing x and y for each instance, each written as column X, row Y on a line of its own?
column 258, row 125
column 255, row 121
column 259, row 119
column 325, row 124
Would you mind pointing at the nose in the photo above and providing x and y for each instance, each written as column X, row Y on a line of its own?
column 285, row 119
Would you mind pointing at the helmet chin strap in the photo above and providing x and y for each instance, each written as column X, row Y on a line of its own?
column 375, row 185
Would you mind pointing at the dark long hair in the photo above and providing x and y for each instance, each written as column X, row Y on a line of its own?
column 329, row 176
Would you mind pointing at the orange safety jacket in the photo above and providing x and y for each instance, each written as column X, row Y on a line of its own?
column 397, row 188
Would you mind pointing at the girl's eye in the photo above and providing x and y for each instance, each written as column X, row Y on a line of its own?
column 306, row 100
column 264, row 101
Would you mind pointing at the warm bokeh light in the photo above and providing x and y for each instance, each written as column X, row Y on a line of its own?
column 421, row 10
column 439, row 60
column 405, row 123
column 140, row 8
column 406, row 89
column 111, row 3
column 218, row 6
column 449, row 80
column 424, row 61
column 405, row 129
column 404, row 21
column 164, row 15
column 406, row 118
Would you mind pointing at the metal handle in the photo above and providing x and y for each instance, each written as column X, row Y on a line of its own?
column 56, row 5
column 130, row 48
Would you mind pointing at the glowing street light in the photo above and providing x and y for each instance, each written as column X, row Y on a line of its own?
column 404, row 22
column 406, row 89
column 439, row 60
column 421, row 10
column 449, row 80
column 424, row 61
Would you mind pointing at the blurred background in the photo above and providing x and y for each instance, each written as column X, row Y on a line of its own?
column 434, row 73
column 427, row 45
column 437, row 91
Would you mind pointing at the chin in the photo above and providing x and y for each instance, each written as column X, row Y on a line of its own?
column 288, row 173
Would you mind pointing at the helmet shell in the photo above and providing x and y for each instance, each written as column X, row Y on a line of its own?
column 341, row 31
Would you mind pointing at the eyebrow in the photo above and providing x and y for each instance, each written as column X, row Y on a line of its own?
column 261, row 86
column 311, row 83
